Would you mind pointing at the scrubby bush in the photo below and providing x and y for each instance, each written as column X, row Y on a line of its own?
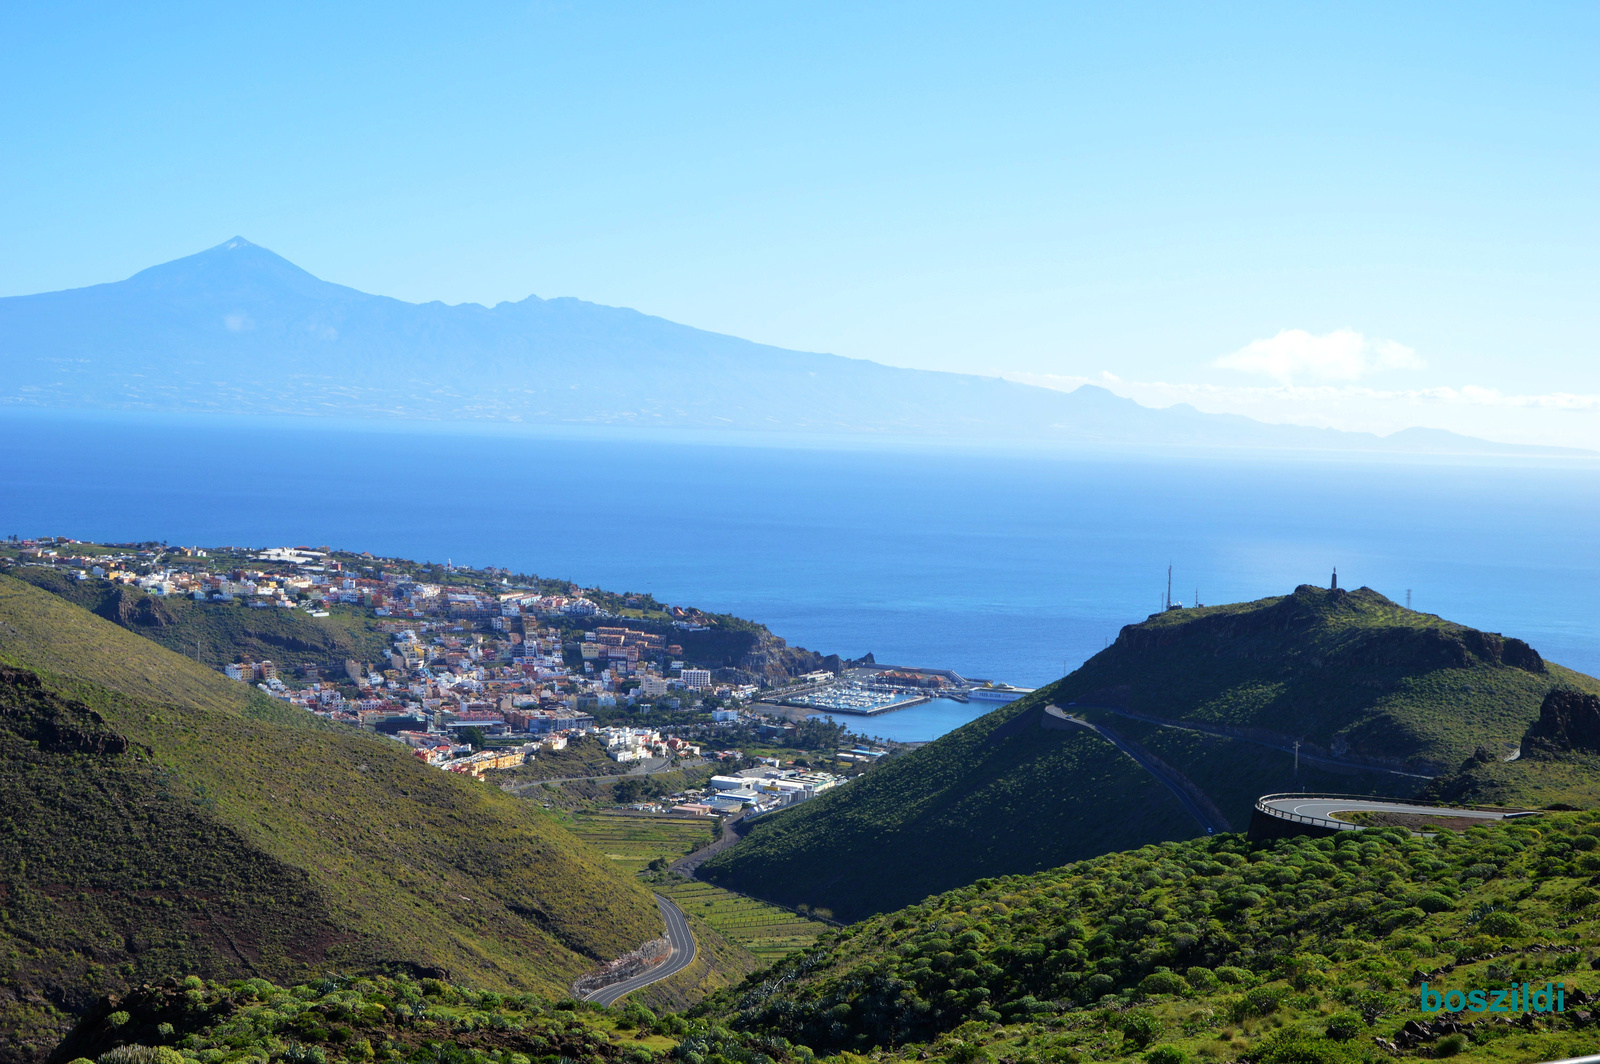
column 966, row 1053
column 1434, row 902
column 1291, row 1046
column 1141, row 1027
column 1411, row 914
column 1233, row 976
column 1450, row 1045
column 1202, row 979
column 1501, row 925
column 1262, row 1001
column 1097, row 986
column 142, row 1055
column 1581, row 898
column 1344, row 1026
column 1166, row 1054
column 1163, row 983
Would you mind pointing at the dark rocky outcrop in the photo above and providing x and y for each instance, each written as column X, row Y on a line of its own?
column 58, row 725
column 132, row 608
column 1568, row 721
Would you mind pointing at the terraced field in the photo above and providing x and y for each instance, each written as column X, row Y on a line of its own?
column 765, row 930
column 632, row 842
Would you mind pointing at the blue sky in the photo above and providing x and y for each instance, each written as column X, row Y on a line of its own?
column 1362, row 215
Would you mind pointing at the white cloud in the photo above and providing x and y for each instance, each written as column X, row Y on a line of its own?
column 1342, row 355
column 1555, row 418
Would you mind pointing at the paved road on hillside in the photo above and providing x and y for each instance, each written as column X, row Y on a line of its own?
column 1322, row 809
column 665, row 766
column 682, row 955
column 1284, row 744
column 1193, row 800
column 733, row 830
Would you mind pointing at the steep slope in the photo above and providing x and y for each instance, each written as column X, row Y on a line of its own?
column 1380, row 698
column 1348, row 674
column 213, row 633
column 1558, row 764
column 138, row 779
column 1302, row 950
column 238, row 329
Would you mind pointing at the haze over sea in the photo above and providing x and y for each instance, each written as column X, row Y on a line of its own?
column 997, row 564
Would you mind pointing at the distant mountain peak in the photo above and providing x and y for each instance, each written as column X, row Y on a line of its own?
column 203, row 332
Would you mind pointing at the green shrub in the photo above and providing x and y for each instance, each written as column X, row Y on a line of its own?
column 142, row 1055
column 1202, row 979
column 1262, row 1001
column 1450, row 1045
column 1582, row 897
column 1411, row 914
column 1163, row 983
column 1233, row 976
column 303, row 1055
column 966, row 1053
column 1291, row 1046
column 1166, row 1054
column 1344, row 1026
column 1097, row 986
column 1501, row 925
column 1141, row 1027
column 1434, row 902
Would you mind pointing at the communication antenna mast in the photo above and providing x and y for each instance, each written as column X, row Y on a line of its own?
column 1168, row 604
column 1408, row 598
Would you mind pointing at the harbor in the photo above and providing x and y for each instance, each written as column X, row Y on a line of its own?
column 871, row 690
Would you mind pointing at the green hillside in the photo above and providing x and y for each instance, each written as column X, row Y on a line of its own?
column 1379, row 697
column 157, row 818
column 1350, row 674
column 217, row 633
column 1303, row 951
column 393, row 1018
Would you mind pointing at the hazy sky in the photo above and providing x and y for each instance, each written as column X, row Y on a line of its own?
column 1362, row 215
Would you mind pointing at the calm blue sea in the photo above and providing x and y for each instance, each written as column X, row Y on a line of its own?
column 1003, row 566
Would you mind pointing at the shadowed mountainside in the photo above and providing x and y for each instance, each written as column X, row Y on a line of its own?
column 159, row 818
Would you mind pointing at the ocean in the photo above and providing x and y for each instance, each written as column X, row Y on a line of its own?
column 999, row 564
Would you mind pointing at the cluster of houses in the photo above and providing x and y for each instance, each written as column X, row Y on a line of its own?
column 512, row 665
column 759, row 789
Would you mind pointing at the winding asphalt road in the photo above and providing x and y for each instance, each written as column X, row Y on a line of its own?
column 643, row 770
column 1285, row 744
column 682, row 955
column 1206, row 814
column 1321, row 810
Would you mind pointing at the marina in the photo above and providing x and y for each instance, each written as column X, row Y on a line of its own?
column 875, row 689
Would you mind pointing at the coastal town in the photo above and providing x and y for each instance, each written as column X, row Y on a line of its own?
column 482, row 674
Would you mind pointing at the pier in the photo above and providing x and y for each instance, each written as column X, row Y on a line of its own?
column 870, row 690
